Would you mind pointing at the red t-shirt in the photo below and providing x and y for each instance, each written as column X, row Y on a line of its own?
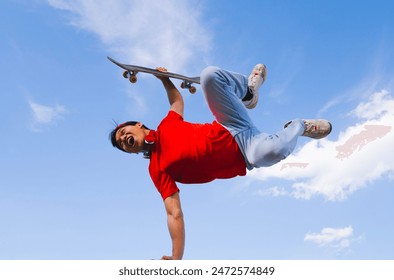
column 192, row 153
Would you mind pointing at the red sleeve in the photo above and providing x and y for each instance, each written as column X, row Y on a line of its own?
column 163, row 182
column 173, row 115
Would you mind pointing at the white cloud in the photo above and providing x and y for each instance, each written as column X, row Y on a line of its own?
column 45, row 115
column 339, row 238
column 274, row 191
column 152, row 33
column 380, row 103
column 336, row 168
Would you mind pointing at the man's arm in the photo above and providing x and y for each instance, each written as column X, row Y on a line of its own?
column 174, row 96
column 176, row 226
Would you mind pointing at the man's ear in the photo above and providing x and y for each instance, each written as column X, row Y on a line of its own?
column 139, row 124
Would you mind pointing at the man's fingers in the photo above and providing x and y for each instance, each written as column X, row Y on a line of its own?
column 161, row 69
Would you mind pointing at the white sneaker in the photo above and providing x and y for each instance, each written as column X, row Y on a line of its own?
column 255, row 80
column 315, row 129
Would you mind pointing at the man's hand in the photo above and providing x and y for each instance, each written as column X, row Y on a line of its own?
column 168, row 258
column 164, row 70
column 161, row 69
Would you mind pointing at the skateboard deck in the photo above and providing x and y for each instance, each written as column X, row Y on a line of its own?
column 132, row 70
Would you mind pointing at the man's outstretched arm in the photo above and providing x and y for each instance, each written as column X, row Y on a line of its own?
column 176, row 226
column 174, row 96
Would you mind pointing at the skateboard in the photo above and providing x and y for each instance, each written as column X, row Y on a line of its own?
column 132, row 70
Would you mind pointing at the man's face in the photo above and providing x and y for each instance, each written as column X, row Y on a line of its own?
column 131, row 138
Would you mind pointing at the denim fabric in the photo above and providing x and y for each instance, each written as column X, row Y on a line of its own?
column 223, row 92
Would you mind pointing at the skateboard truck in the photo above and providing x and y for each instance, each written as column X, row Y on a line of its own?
column 131, row 75
column 188, row 85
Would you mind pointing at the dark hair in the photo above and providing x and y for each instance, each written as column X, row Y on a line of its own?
column 112, row 135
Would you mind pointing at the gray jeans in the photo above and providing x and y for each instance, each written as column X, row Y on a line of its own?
column 223, row 92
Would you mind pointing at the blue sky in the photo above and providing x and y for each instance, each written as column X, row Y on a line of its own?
column 65, row 193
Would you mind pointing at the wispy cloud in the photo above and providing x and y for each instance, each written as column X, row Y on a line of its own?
column 339, row 238
column 151, row 33
column 45, row 115
column 336, row 168
column 274, row 191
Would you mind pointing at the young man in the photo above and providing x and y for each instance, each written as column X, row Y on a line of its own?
column 185, row 152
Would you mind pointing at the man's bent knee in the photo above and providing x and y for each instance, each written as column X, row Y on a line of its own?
column 209, row 75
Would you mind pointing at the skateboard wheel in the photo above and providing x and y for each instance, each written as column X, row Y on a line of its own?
column 133, row 79
column 183, row 85
column 125, row 74
column 192, row 90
